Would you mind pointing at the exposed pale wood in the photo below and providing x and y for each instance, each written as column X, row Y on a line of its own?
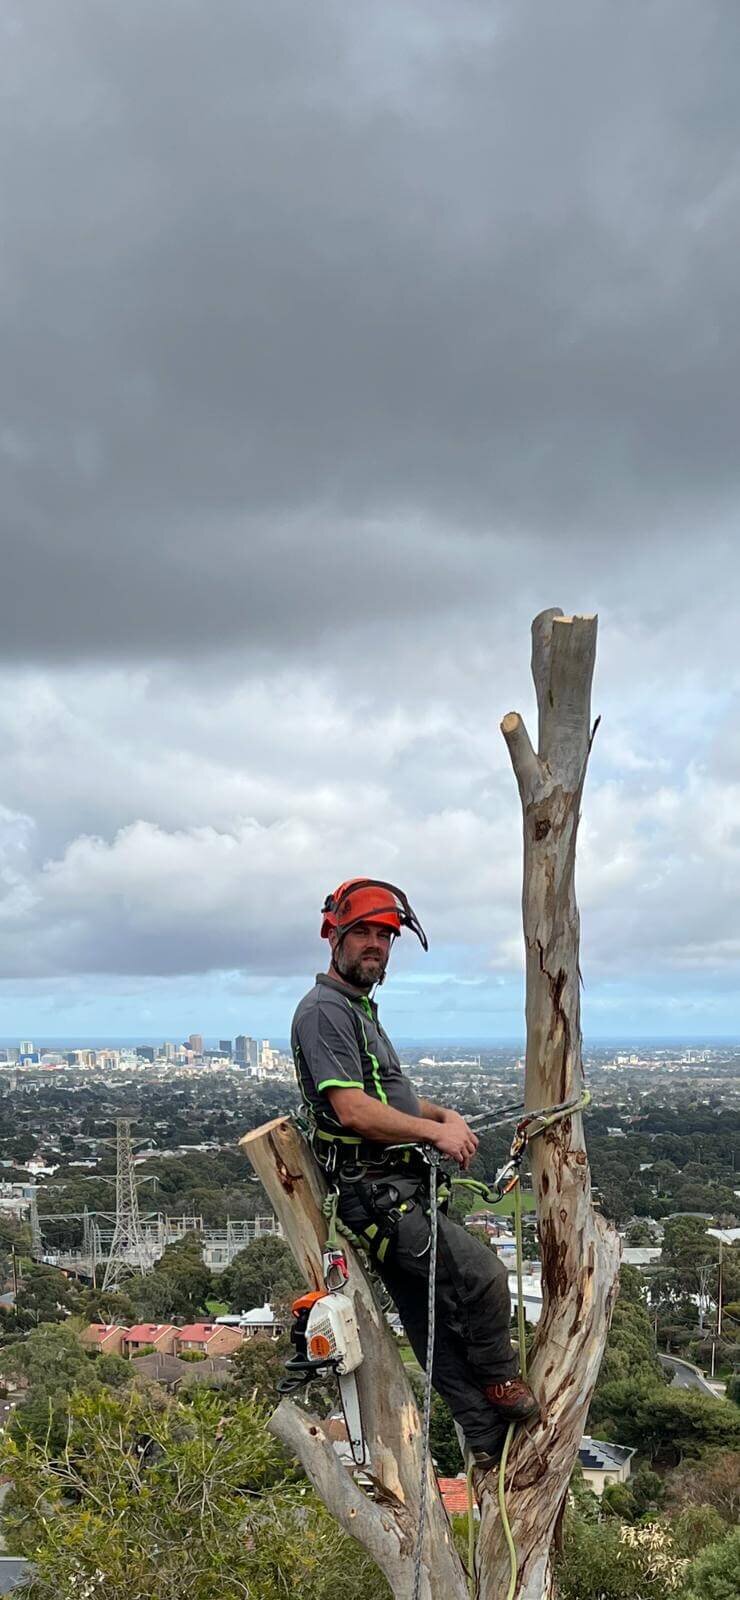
column 525, row 761
column 580, row 1251
column 295, row 1186
column 296, row 1190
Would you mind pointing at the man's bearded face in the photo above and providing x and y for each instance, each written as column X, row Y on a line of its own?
column 361, row 957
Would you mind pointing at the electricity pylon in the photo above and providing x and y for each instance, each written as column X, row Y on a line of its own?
column 33, row 1217
column 128, row 1251
column 91, row 1245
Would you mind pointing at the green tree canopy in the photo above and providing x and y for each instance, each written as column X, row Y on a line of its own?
column 264, row 1271
column 596, row 1562
column 179, row 1285
column 713, row 1481
column 44, row 1295
column 690, row 1252
column 258, row 1366
column 715, row 1574
column 50, row 1359
column 630, row 1348
column 663, row 1423
column 173, row 1500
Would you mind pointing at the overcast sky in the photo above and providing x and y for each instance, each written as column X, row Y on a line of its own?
column 338, row 341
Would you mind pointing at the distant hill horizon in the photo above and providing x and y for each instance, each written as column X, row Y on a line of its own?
column 622, row 1042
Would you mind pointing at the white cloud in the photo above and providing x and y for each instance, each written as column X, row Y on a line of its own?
column 299, row 443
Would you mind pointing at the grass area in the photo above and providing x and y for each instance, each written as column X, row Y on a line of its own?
column 217, row 1308
column 409, row 1359
column 407, row 1355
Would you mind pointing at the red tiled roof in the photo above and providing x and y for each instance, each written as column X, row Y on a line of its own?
column 102, row 1330
column 147, row 1332
column 197, row 1330
column 454, row 1494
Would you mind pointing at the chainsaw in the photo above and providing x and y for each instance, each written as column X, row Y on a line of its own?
column 327, row 1342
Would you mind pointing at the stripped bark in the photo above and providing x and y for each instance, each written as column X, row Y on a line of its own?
column 580, row 1250
column 385, row 1520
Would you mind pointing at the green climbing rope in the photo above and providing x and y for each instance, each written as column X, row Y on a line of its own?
column 522, row 1334
column 471, row 1532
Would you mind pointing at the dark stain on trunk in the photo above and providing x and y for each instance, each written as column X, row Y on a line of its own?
column 560, row 1019
column 554, row 1252
column 576, row 1314
column 288, row 1180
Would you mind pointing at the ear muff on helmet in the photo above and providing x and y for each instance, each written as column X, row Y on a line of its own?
column 370, row 900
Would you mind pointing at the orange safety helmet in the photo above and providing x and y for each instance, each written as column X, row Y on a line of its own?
column 369, row 900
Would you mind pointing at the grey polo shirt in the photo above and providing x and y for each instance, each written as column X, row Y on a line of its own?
column 338, row 1043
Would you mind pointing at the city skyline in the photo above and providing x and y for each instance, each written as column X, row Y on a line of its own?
column 622, row 1041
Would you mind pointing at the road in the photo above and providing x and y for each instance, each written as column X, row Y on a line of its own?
column 687, row 1377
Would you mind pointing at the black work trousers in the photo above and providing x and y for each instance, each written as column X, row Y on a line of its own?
column 472, row 1345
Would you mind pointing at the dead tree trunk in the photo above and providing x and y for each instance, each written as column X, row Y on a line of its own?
column 386, row 1523
column 580, row 1251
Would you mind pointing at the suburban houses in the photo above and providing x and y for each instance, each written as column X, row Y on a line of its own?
column 217, row 1338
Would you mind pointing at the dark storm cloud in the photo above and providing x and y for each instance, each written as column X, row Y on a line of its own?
column 285, row 285
column 337, row 341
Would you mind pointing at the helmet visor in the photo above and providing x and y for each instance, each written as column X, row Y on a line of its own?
column 372, row 900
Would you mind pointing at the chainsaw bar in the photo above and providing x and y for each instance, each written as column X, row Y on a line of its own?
column 349, row 1399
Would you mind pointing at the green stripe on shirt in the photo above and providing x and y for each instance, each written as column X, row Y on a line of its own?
column 339, row 1083
column 374, row 1063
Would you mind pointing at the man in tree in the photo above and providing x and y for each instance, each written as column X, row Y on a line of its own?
column 369, row 1130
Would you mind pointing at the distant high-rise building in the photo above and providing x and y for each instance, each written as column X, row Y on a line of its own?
column 168, row 1051
column 246, row 1051
column 145, row 1052
column 195, row 1043
column 267, row 1058
column 224, row 1047
column 25, row 1048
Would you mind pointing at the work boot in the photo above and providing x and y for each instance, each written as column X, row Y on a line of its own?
column 512, row 1399
column 481, row 1459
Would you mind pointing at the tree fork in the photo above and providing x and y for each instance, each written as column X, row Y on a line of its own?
column 385, row 1525
column 580, row 1250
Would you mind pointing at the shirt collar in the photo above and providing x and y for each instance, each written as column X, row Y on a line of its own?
column 343, row 988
